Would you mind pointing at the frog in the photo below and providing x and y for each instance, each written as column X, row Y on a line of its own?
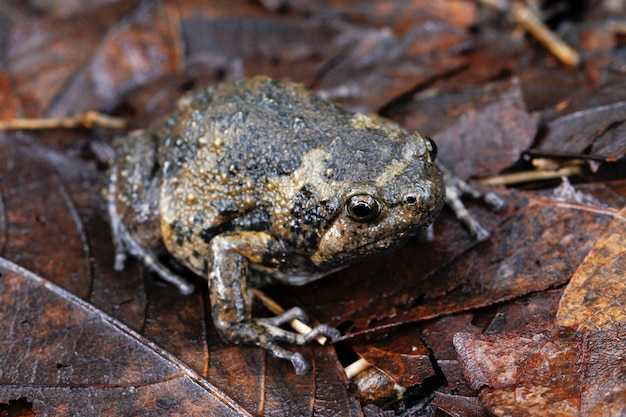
column 257, row 181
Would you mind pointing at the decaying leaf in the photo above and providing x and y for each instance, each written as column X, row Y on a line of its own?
column 449, row 69
column 595, row 298
column 68, row 358
column 596, row 126
column 502, row 129
column 553, row 372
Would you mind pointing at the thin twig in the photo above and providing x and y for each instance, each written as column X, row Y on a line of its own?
column 525, row 17
column 87, row 119
column 529, row 21
column 357, row 367
column 519, row 177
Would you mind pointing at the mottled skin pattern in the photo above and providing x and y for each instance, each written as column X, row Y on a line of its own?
column 257, row 180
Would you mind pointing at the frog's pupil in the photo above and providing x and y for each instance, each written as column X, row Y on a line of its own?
column 361, row 210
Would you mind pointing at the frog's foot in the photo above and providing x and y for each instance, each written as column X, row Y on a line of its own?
column 151, row 262
column 263, row 333
column 455, row 189
column 298, row 313
column 295, row 338
column 120, row 259
column 126, row 244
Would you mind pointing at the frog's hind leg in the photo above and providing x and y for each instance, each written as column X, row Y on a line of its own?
column 150, row 260
column 115, row 221
column 124, row 244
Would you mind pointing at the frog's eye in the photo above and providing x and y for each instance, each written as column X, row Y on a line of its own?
column 431, row 147
column 362, row 208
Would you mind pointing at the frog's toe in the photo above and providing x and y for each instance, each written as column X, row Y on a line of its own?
column 494, row 201
column 322, row 330
column 282, row 335
column 286, row 317
column 300, row 365
column 185, row 287
column 120, row 260
column 477, row 230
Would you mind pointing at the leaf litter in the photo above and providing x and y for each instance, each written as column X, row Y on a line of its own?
column 438, row 319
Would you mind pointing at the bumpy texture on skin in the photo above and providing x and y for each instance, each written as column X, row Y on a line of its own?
column 258, row 178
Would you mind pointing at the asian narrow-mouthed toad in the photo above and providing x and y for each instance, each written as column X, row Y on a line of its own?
column 258, row 180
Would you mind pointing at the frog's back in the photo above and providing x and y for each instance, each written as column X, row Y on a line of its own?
column 257, row 127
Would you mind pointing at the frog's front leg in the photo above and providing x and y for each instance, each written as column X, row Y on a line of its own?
column 230, row 304
column 455, row 188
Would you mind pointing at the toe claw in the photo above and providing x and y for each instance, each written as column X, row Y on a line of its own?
column 300, row 365
column 120, row 259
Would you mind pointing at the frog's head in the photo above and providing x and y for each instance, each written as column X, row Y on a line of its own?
column 385, row 205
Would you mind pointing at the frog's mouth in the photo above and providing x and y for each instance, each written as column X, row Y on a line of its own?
column 302, row 278
column 385, row 243
column 333, row 254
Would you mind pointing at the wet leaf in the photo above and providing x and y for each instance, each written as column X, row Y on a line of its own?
column 451, row 69
column 596, row 295
column 595, row 126
column 380, row 67
column 502, row 129
column 551, row 372
column 41, row 42
column 68, row 358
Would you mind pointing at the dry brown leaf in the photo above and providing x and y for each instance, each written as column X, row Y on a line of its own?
column 552, row 372
column 418, row 62
column 69, row 358
column 591, row 123
column 595, row 298
column 502, row 130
